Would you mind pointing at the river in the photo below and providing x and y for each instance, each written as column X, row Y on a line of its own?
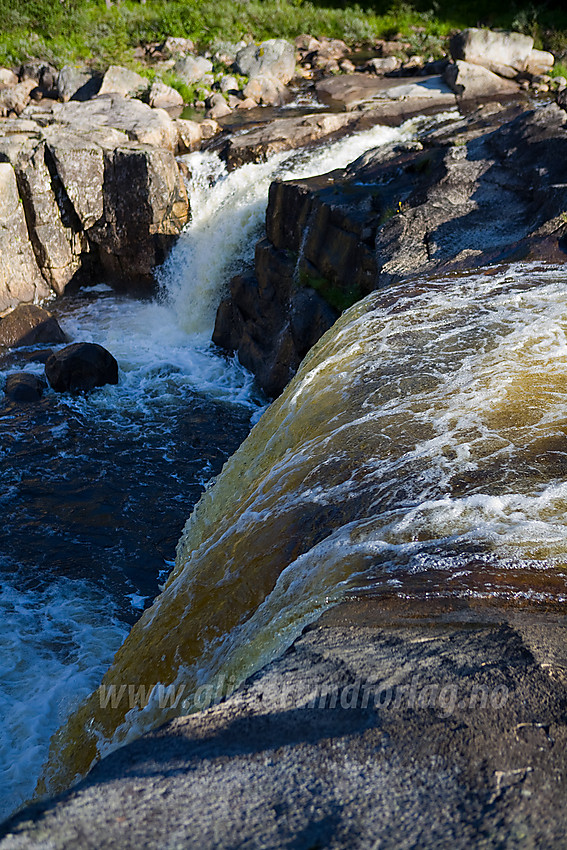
column 420, row 451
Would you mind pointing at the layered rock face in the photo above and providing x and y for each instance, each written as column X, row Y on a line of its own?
column 80, row 201
column 478, row 191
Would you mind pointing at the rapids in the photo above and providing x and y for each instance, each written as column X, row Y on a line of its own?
column 421, row 449
column 96, row 489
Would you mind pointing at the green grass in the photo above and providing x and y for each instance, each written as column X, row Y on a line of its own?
column 85, row 30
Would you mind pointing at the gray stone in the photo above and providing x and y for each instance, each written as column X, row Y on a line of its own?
column 266, row 90
column 539, row 62
column 189, row 135
column 472, row 81
column 57, row 247
column 164, row 97
column 384, row 65
column 77, row 83
column 15, row 98
column 220, row 110
column 118, row 80
column 20, row 277
column 176, row 46
column 139, row 121
column 275, row 57
column 145, row 208
column 29, row 324
column 504, row 53
column 7, row 77
column 229, row 84
column 192, row 69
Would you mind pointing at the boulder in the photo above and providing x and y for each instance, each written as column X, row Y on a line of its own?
column 470, row 81
column 177, row 46
column 77, row 83
column 118, row 80
column 164, row 97
column 129, row 200
column 229, row 84
column 7, row 77
column 20, row 277
column 189, row 135
column 415, row 95
column 275, row 57
column 139, row 121
column 16, row 98
column 539, row 62
column 266, row 90
column 192, row 69
column 56, row 246
column 24, row 387
column 29, row 324
column 220, row 110
column 81, row 367
column 42, row 73
column 504, row 53
column 385, row 65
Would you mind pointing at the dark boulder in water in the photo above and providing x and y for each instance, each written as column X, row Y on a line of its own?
column 80, row 367
column 21, row 386
column 30, row 325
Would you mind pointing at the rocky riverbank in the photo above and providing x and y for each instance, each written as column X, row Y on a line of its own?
column 439, row 723
column 91, row 188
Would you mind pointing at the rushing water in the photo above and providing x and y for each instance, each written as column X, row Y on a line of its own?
column 96, row 489
column 421, row 449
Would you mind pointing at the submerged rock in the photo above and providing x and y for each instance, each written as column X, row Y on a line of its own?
column 28, row 324
column 24, row 387
column 80, row 367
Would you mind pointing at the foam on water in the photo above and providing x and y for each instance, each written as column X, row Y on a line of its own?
column 58, row 640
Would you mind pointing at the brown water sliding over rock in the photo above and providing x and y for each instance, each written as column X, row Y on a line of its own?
column 415, row 451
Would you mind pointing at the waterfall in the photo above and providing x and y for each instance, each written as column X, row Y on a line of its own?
column 227, row 218
column 88, row 541
column 419, row 449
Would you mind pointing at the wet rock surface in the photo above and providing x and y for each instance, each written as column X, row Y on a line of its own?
column 23, row 387
column 80, row 367
column 389, row 722
column 28, row 324
column 482, row 190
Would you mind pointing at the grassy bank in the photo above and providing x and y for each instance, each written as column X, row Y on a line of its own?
column 86, row 30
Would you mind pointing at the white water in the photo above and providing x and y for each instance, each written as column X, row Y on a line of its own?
column 57, row 642
column 228, row 211
column 55, row 645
